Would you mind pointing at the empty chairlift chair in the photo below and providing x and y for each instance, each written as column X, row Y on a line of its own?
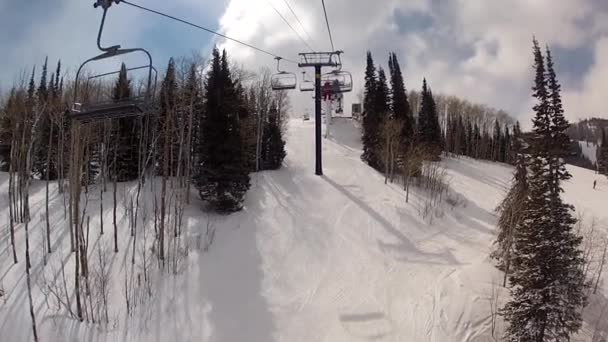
column 306, row 85
column 283, row 80
column 92, row 110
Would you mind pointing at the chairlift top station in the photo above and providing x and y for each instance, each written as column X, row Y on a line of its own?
column 84, row 110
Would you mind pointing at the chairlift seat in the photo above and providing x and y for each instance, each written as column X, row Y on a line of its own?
column 108, row 110
column 342, row 80
column 135, row 106
column 284, row 81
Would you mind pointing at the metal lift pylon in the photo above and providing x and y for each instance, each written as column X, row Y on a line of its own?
column 318, row 60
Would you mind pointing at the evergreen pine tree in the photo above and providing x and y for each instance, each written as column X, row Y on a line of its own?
column 371, row 118
column 475, row 146
column 168, row 122
column 560, row 142
column 506, row 146
column 602, row 155
column 400, row 104
column 496, row 141
column 547, row 278
column 7, row 127
column 43, row 128
column 382, row 103
column 273, row 146
column 221, row 177
column 125, row 139
column 429, row 131
column 57, row 86
column 511, row 208
column 43, row 92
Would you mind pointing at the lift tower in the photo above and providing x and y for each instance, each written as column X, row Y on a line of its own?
column 319, row 60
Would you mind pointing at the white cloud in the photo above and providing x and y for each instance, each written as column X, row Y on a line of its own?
column 478, row 49
column 590, row 98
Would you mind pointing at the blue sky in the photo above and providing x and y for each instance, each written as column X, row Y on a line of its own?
column 477, row 49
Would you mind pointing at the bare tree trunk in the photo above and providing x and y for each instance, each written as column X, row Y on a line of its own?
column 601, row 267
column 29, row 281
column 189, row 151
column 75, row 181
column 114, row 203
column 104, row 165
column 48, row 171
column 11, row 196
column 163, row 201
column 28, row 263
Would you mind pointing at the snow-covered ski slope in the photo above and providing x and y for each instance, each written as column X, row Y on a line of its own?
column 335, row 258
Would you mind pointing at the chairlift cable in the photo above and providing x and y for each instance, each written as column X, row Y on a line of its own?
column 299, row 22
column 331, row 40
column 291, row 27
column 205, row 29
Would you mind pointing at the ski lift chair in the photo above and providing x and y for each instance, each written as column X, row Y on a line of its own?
column 342, row 80
column 87, row 111
column 306, row 85
column 283, row 80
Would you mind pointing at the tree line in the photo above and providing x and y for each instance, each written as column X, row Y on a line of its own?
column 209, row 126
column 205, row 125
column 602, row 154
column 400, row 130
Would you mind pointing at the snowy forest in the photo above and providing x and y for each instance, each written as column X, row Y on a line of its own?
column 196, row 217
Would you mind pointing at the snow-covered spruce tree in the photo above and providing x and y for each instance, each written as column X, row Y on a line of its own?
column 221, row 177
column 511, row 209
column 560, row 142
column 371, row 119
column 125, row 138
column 273, row 146
column 547, row 279
column 429, row 132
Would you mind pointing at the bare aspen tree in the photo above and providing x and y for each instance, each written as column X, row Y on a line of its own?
column 26, row 172
column 163, row 200
column 11, row 187
column 601, row 265
column 75, row 190
column 115, row 181
column 104, row 164
column 390, row 131
column 48, row 172
column 412, row 160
